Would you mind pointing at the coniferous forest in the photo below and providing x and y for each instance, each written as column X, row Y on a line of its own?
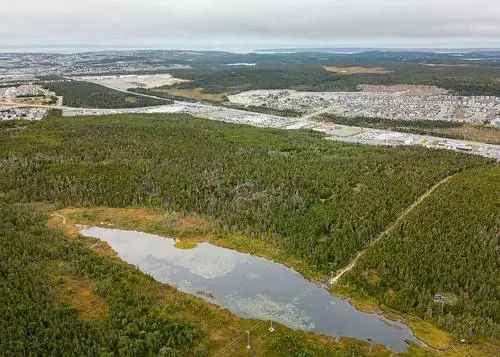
column 319, row 200
column 448, row 246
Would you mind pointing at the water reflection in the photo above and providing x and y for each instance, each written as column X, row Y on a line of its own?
column 251, row 287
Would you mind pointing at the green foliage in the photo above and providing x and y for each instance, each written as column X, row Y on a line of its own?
column 294, row 345
column 322, row 200
column 279, row 112
column 379, row 123
column 89, row 95
column 233, row 80
column 450, row 246
column 463, row 80
column 33, row 323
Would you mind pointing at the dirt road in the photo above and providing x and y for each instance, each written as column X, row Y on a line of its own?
column 388, row 230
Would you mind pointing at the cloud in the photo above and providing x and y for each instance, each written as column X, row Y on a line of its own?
column 137, row 22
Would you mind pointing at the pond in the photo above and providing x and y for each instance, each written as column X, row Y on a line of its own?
column 251, row 287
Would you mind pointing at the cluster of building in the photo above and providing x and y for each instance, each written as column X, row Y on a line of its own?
column 25, row 90
column 43, row 64
column 12, row 113
column 13, row 108
column 393, row 106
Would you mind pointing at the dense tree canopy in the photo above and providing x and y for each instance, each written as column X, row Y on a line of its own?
column 33, row 323
column 324, row 200
column 448, row 246
column 89, row 95
column 319, row 200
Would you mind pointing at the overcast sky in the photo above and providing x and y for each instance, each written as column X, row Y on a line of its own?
column 251, row 23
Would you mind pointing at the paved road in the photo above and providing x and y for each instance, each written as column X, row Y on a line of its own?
column 332, row 131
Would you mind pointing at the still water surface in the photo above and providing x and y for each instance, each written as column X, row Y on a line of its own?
column 251, row 287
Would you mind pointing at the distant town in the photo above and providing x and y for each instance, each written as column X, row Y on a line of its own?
column 387, row 105
column 124, row 78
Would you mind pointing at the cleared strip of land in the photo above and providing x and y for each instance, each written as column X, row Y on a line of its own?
column 389, row 229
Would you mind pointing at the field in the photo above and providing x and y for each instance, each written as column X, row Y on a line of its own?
column 35, row 100
column 304, row 200
column 89, row 95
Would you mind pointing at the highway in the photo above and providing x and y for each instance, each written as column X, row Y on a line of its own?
column 350, row 134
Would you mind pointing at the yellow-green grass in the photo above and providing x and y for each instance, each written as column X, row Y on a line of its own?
column 220, row 327
column 191, row 230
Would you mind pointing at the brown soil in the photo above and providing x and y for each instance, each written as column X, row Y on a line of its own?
column 78, row 292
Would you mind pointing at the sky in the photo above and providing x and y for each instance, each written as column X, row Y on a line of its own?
column 250, row 24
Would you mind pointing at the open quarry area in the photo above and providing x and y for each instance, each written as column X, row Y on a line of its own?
column 397, row 105
column 129, row 81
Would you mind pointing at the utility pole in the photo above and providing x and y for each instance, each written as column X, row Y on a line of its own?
column 249, row 346
column 271, row 329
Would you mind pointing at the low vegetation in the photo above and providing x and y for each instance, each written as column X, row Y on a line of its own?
column 197, row 94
